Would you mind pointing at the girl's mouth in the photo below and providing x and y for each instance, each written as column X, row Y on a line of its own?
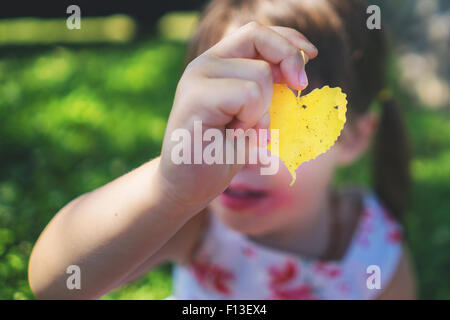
column 241, row 197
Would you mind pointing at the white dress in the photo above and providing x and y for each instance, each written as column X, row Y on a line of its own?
column 231, row 266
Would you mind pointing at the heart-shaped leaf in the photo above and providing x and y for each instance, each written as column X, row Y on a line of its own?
column 308, row 125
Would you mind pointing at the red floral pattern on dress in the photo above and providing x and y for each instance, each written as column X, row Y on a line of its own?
column 248, row 252
column 344, row 287
column 394, row 233
column 280, row 284
column 395, row 236
column 283, row 274
column 327, row 270
column 301, row 292
column 366, row 228
column 213, row 276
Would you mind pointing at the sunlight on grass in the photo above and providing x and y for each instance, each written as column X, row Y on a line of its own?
column 435, row 169
column 72, row 119
column 116, row 28
column 178, row 25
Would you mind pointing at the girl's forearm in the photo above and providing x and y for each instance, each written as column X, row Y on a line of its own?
column 107, row 233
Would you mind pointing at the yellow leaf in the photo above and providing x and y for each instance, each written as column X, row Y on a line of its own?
column 308, row 125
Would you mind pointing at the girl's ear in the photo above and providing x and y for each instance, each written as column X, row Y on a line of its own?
column 356, row 138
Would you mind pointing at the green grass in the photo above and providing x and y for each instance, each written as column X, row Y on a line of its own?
column 73, row 118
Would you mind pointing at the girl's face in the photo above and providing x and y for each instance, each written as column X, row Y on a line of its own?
column 256, row 204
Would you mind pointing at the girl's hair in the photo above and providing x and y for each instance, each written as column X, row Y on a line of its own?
column 350, row 56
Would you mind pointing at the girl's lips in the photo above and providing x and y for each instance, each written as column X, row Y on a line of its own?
column 241, row 197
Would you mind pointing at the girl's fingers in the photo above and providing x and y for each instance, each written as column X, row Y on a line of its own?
column 254, row 40
column 298, row 40
column 258, row 71
column 244, row 66
column 224, row 99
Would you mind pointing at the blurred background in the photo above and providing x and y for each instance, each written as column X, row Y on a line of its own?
column 79, row 108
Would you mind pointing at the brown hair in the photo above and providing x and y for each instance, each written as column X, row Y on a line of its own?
column 350, row 56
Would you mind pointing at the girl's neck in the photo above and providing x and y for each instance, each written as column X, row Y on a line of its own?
column 307, row 235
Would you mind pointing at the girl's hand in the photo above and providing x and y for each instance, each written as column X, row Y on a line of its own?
column 230, row 86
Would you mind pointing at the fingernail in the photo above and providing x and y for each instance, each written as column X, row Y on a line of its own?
column 303, row 79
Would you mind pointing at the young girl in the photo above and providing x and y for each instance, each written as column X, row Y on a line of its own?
column 231, row 232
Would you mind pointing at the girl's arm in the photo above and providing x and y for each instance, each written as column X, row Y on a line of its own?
column 180, row 249
column 110, row 232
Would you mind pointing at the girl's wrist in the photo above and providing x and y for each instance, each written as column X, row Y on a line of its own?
column 168, row 197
